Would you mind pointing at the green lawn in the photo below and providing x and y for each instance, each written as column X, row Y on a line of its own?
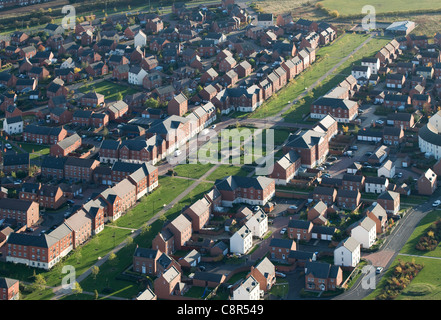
column 169, row 188
column 425, row 286
column 192, row 170
column 35, row 150
column 346, row 8
column 296, row 112
column 109, row 280
column 109, row 89
column 98, row 246
column 327, row 58
column 225, row 170
column 420, row 230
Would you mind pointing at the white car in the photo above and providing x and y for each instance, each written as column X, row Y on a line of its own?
column 436, row 203
column 378, row 270
column 213, row 126
column 283, row 231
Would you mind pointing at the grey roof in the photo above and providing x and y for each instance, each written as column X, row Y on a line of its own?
column 299, row 224
column 7, row 282
column 321, row 270
column 16, row 159
column 67, row 142
column 281, row 243
column 42, row 241
column 367, row 223
column 208, row 276
column 350, row 243
column 233, row 182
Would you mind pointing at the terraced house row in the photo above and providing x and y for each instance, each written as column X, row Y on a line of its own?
column 46, row 250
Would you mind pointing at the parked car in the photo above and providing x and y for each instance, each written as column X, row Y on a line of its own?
column 378, row 270
column 8, row 146
column 280, row 274
column 436, row 203
column 283, row 231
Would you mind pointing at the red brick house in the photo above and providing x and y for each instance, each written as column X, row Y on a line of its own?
column 169, row 284
column 9, row 289
column 348, row 199
column 325, row 194
column 300, row 229
column 66, row 146
column 401, row 120
column 77, row 169
column 286, row 168
column 265, row 273
column 279, row 249
column 321, row 276
column 390, row 201
column 178, row 105
column 253, row 191
column 43, row 135
column 23, row 212
column 199, row 213
column 427, row 183
column 152, row 262
column 92, row 99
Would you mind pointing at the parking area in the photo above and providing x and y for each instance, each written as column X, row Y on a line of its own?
column 338, row 168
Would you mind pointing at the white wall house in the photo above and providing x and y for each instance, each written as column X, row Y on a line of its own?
column 372, row 63
column 136, row 75
column 347, row 253
column 361, row 72
column 376, row 184
column 140, row 39
column 248, row 290
column 258, row 223
column 13, row 125
column 428, row 136
column 241, row 241
column 387, row 169
column 365, row 233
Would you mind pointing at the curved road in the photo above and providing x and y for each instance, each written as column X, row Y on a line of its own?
column 391, row 248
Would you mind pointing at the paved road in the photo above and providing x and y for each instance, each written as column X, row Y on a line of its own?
column 392, row 246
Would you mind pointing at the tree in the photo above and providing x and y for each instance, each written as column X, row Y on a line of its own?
column 77, row 289
column 39, row 283
column 118, row 27
column 119, row 96
column 95, row 270
column 152, row 103
column 146, row 228
column 113, row 259
column 129, row 241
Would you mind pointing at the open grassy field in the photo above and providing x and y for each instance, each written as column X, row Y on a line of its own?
column 192, row 170
column 110, row 279
column 409, row 247
column 346, row 8
column 226, row 170
column 427, row 284
column 327, row 58
column 169, row 188
column 296, row 112
column 109, row 89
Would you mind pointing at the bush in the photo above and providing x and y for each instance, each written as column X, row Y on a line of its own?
column 401, row 277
